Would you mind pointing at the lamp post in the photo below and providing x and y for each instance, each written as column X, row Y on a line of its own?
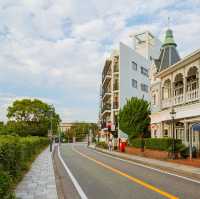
column 173, row 113
column 51, row 127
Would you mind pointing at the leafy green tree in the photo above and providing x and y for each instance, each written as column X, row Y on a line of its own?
column 2, row 127
column 134, row 117
column 31, row 117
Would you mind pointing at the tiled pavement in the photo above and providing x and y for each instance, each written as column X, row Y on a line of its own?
column 39, row 182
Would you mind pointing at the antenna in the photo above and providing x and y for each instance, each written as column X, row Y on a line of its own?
column 168, row 22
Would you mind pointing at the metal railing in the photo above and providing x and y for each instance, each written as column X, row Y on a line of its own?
column 106, row 107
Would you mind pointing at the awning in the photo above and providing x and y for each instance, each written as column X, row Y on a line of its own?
column 196, row 127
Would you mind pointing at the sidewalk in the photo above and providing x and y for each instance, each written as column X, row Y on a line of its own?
column 39, row 182
column 168, row 166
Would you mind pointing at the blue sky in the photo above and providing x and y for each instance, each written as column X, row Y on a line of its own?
column 54, row 49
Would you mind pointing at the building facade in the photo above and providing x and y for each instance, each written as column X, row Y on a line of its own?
column 175, row 86
column 125, row 75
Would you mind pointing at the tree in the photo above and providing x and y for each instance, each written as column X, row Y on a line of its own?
column 31, row 117
column 134, row 117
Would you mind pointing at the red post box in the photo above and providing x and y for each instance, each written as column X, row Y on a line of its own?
column 122, row 146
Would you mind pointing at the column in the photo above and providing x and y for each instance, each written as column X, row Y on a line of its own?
column 184, row 86
column 185, row 131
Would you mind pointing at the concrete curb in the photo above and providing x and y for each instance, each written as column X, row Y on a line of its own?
column 173, row 168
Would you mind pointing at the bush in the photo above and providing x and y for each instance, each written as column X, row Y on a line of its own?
column 184, row 152
column 154, row 143
column 103, row 145
column 136, row 143
column 16, row 153
column 5, row 184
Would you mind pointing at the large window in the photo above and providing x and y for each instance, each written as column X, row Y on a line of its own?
column 144, row 88
column 134, row 65
column 144, row 71
column 134, row 83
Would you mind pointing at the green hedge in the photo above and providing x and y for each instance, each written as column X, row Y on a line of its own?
column 154, row 143
column 103, row 145
column 16, row 154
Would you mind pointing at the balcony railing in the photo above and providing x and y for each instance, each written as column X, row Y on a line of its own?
column 179, row 99
column 166, row 102
column 192, row 95
column 106, row 76
column 116, row 67
column 106, row 107
column 107, row 91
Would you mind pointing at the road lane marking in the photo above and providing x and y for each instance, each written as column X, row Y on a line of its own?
column 136, row 180
column 74, row 181
column 148, row 167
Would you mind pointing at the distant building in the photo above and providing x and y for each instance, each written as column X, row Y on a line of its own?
column 65, row 126
column 126, row 74
column 175, row 84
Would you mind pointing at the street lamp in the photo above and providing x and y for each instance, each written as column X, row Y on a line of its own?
column 51, row 127
column 173, row 113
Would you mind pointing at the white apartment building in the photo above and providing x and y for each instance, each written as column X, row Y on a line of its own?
column 175, row 85
column 125, row 75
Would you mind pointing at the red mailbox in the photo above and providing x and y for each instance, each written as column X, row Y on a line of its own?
column 122, row 146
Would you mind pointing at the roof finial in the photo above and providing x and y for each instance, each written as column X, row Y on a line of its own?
column 168, row 22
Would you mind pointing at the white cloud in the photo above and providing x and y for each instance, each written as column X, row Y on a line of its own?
column 60, row 45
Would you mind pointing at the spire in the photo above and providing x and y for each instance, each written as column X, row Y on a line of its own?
column 169, row 54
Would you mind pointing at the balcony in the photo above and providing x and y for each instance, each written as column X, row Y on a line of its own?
column 106, row 79
column 190, row 96
column 106, row 95
column 116, row 86
column 166, row 103
column 178, row 99
column 106, row 91
column 106, row 74
column 116, row 67
column 106, row 108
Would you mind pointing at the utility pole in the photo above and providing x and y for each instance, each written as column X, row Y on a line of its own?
column 51, row 128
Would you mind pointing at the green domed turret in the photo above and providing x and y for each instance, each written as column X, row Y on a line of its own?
column 169, row 38
column 169, row 54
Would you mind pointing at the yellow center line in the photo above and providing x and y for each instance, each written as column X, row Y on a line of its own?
column 136, row 180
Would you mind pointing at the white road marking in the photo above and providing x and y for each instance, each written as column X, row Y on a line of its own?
column 148, row 167
column 75, row 182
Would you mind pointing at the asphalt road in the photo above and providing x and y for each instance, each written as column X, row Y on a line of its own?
column 103, row 177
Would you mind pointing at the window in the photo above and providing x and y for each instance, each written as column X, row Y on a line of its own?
column 134, row 83
column 144, row 71
column 165, row 133
column 144, row 88
column 134, row 65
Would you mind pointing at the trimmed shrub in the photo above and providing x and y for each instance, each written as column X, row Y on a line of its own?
column 5, row 186
column 16, row 154
column 154, row 143
column 102, row 145
column 136, row 143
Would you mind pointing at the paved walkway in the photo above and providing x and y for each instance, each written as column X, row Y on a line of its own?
column 158, row 163
column 39, row 182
